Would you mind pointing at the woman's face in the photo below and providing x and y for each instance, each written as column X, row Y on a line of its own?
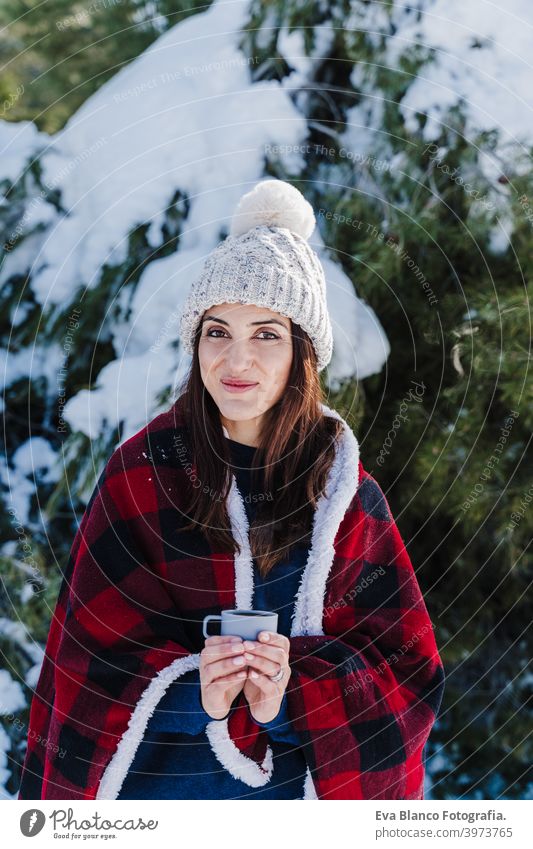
column 248, row 344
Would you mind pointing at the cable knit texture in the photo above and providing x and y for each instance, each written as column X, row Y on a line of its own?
column 266, row 260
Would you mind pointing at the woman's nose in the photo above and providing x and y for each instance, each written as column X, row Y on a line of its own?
column 239, row 354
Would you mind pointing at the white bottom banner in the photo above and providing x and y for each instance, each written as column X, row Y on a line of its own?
column 352, row 823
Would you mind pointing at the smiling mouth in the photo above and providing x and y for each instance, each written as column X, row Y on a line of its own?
column 237, row 387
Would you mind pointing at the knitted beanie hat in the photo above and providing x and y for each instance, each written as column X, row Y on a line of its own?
column 266, row 260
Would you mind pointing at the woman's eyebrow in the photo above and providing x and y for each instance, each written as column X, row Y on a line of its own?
column 250, row 324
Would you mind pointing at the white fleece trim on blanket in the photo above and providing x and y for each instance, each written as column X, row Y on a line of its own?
column 240, row 766
column 343, row 482
column 340, row 488
column 117, row 769
column 309, row 787
column 244, row 569
column 226, row 752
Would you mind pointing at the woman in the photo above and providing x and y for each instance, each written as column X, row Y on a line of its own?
column 240, row 497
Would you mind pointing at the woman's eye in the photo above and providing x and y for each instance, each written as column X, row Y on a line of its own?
column 213, row 330
column 269, row 332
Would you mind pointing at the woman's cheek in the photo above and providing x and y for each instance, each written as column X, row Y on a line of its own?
column 208, row 355
column 279, row 354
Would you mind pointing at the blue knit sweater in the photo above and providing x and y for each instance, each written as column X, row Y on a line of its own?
column 175, row 760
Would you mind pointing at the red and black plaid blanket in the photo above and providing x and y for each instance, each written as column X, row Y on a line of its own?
column 367, row 679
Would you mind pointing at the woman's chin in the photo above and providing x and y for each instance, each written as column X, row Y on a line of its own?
column 236, row 403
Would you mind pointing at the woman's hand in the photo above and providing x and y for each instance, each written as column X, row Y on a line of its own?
column 221, row 676
column 264, row 658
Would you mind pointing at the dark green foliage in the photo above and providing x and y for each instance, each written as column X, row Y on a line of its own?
column 62, row 52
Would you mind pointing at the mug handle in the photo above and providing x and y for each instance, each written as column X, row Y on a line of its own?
column 207, row 619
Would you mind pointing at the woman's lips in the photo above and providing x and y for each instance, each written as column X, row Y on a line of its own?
column 233, row 387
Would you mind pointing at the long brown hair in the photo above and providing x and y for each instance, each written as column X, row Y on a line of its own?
column 297, row 448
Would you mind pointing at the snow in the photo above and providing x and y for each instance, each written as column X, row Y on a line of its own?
column 11, row 694
column 31, row 363
column 20, row 491
column 479, row 59
column 19, row 142
column 17, row 633
column 372, row 18
column 361, row 345
column 291, row 46
column 12, row 700
column 37, row 457
column 166, row 123
column 19, row 261
column 126, row 392
column 163, row 122
column 494, row 79
column 26, row 592
column 5, row 772
column 185, row 116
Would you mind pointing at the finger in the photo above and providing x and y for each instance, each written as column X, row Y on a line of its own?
column 272, row 638
column 268, row 688
column 217, row 639
column 262, row 664
column 230, row 679
column 275, row 653
column 220, row 668
column 219, row 650
column 224, row 680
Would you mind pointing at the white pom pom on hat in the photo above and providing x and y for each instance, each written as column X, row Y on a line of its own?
column 266, row 260
column 273, row 203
